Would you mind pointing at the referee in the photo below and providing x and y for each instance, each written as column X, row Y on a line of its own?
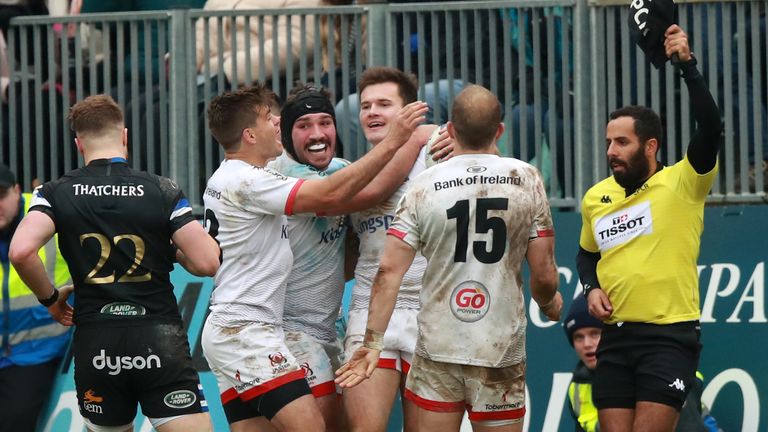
column 639, row 243
column 119, row 230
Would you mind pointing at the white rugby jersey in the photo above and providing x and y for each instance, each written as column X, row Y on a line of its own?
column 371, row 227
column 472, row 218
column 245, row 208
column 316, row 281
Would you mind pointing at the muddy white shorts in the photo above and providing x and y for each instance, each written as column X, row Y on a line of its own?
column 318, row 359
column 250, row 360
column 399, row 339
column 489, row 394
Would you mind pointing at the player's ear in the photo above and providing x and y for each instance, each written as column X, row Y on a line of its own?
column 499, row 131
column 651, row 147
column 125, row 137
column 79, row 145
column 451, row 130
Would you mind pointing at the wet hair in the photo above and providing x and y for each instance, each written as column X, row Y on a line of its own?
column 231, row 112
column 647, row 122
column 96, row 114
column 407, row 84
column 475, row 116
column 303, row 99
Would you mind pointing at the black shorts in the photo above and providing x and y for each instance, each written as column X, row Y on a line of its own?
column 646, row 362
column 267, row 404
column 149, row 364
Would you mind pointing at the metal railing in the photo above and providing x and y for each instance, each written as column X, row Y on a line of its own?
column 558, row 67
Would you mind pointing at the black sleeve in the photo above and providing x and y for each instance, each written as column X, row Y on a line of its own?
column 705, row 143
column 42, row 200
column 586, row 265
column 177, row 206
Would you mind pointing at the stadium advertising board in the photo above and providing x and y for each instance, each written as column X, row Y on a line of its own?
column 734, row 331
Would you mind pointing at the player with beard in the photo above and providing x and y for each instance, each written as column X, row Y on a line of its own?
column 639, row 243
column 316, row 282
column 246, row 204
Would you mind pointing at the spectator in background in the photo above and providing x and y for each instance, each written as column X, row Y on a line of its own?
column 232, row 59
column 31, row 342
column 527, row 110
column 157, row 64
column 15, row 8
column 583, row 332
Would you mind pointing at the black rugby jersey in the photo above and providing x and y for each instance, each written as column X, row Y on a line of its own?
column 115, row 226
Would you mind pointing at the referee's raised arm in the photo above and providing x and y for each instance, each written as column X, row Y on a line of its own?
column 705, row 143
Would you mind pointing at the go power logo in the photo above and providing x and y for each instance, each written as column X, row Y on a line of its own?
column 470, row 301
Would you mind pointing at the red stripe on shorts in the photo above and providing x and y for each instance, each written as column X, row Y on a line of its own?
column 406, row 366
column 272, row 384
column 434, row 406
column 228, row 396
column 324, row 389
column 497, row 415
column 387, row 364
column 292, row 197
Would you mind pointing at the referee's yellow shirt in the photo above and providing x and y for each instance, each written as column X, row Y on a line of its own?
column 649, row 243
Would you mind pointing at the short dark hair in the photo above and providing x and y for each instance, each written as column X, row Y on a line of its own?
column 647, row 122
column 475, row 116
column 407, row 84
column 231, row 112
column 95, row 114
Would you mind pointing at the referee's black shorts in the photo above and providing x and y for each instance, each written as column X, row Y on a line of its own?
column 646, row 362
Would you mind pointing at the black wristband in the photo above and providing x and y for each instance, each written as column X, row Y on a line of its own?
column 50, row 300
column 586, row 288
column 689, row 69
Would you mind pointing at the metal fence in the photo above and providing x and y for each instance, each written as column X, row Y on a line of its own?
column 558, row 67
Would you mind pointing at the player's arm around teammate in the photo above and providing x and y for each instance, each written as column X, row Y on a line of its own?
column 391, row 177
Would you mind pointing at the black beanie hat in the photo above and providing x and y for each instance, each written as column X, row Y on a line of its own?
column 307, row 101
column 579, row 317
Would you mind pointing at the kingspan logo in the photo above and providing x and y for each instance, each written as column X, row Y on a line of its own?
column 123, row 309
column 118, row 363
column 180, row 399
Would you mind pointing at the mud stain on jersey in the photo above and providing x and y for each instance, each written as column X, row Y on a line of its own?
column 231, row 331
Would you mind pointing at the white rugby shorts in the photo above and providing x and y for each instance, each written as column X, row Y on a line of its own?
column 250, row 360
column 318, row 359
column 399, row 339
column 488, row 394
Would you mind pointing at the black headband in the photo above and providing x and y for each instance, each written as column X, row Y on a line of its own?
column 307, row 102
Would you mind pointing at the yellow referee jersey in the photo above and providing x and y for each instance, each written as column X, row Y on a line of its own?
column 649, row 243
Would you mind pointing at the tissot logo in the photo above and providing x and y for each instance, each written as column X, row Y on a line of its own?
column 620, row 227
